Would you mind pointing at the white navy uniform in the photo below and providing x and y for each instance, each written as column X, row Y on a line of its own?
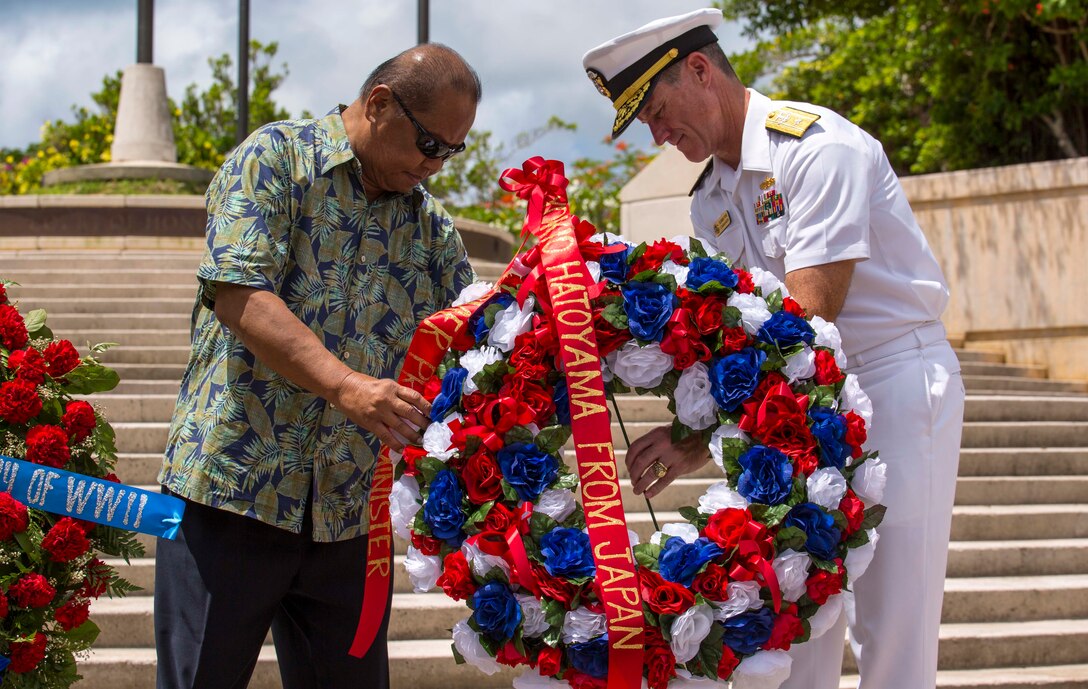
column 823, row 193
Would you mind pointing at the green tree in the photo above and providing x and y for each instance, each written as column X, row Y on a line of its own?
column 944, row 85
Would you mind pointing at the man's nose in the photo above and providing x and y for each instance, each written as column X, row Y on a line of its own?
column 659, row 132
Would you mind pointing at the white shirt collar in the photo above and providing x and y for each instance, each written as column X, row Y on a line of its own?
column 755, row 148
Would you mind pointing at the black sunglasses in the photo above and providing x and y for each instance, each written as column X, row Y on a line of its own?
column 428, row 144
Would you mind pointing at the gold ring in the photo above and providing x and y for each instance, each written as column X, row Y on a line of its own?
column 659, row 469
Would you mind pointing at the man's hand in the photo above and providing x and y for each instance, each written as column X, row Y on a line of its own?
column 392, row 412
column 657, row 446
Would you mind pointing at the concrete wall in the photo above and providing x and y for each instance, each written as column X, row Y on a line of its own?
column 1013, row 242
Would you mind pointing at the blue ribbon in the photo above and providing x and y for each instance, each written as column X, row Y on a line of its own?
column 91, row 499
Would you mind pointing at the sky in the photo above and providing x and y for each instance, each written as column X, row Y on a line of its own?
column 528, row 55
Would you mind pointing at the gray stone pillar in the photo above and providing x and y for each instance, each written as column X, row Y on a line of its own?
column 143, row 131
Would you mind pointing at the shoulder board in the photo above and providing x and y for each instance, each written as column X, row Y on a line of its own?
column 790, row 121
column 702, row 176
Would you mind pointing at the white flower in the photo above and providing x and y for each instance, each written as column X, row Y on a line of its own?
column 555, row 503
column 767, row 282
column 474, row 361
column 467, row 643
column 727, row 430
column 870, row 479
column 826, row 487
column 533, row 622
column 404, row 503
column 482, row 563
column 472, row 292
column 743, row 596
column 632, row 538
column 763, row 670
column 640, row 367
column 511, row 322
column 791, row 568
column 677, row 271
column 689, row 630
column 683, row 530
column 606, row 238
column 853, row 397
column 582, row 625
column 826, row 616
column 695, row 406
column 594, row 270
column 827, row 335
column 858, row 559
column 438, row 438
column 684, row 242
column 720, row 496
column 753, row 310
column 519, row 268
column 423, row 570
column 801, row 365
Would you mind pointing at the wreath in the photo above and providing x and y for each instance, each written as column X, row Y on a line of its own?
column 490, row 507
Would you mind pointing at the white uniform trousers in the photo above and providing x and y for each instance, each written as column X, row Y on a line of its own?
column 918, row 401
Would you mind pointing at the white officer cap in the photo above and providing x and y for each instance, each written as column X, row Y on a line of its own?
column 626, row 68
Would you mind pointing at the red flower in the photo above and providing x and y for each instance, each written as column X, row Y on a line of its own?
column 745, row 283
column 682, row 340
column 431, row 388
column 3, row 294
column 73, row 613
column 655, row 255
column 47, row 445
column 540, row 401
column 728, row 663
column 712, row 583
column 411, row 455
column 19, row 401
column 822, row 585
column 709, row 314
column 13, row 518
column 426, row 544
column 13, row 333
column 508, row 655
column 793, row 307
column 498, row 519
column 456, row 579
column 733, row 340
column 483, row 479
column 528, row 355
column 3, row 605
column 78, row 420
column 32, row 591
column 554, row 587
column 96, row 579
column 855, row 433
column 827, row 370
column 660, row 662
column 25, row 655
column 62, row 358
column 549, row 661
column 28, row 365
column 787, row 627
column 854, row 510
column 65, row 541
column 664, row 597
column 780, row 420
column 609, row 339
column 580, row 680
column 727, row 527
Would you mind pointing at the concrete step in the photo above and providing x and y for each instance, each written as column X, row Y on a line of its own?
column 1019, row 558
column 1017, row 461
column 1015, row 599
column 169, row 356
column 67, row 322
column 985, row 368
column 1049, row 677
column 136, row 386
column 102, row 260
column 146, row 371
column 101, row 305
column 1013, row 644
column 995, row 384
column 151, row 286
column 130, row 338
column 977, row 355
column 30, row 277
column 1021, row 490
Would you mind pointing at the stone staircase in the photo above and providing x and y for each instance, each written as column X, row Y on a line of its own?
column 1016, row 605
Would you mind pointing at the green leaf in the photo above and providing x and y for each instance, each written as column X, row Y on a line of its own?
column 552, row 438
column 509, row 493
column 518, row 434
column 710, row 650
column 85, row 634
column 35, row 321
column 822, row 396
column 790, row 537
column 540, row 524
column 665, row 279
column 481, row 514
column 873, row 516
column 774, row 301
column 860, row 538
column 554, row 612
column 696, row 250
column 771, row 516
column 429, row 467
column 732, row 449
column 825, row 565
column 616, row 316
column 89, row 378
column 457, row 657
column 489, row 379
column 647, row 554
column 731, row 317
column 103, row 346
column 636, row 253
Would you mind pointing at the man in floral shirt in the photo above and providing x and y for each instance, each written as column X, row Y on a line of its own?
column 324, row 253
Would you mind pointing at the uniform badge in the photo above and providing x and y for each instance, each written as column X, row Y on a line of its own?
column 770, row 204
column 598, row 80
column 790, row 121
column 722, row 224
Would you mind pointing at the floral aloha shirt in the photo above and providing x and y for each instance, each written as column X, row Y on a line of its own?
column 287, row 213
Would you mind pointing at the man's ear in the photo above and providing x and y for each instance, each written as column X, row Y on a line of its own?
column 378, row 102
column 700, row 68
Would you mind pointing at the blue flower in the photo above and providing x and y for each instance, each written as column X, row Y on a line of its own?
column 785, row 330
column 735, row 377
column 766, row 476
column 4, row 662
column 562, row 402
column 528, row 469
column 829, row 429
column 746, row 632
column 442, row 511
column 680, row 561
column 567, row 553
column 590, row 657
column 450, row 395
column 477, row 323
column 821, row 535
column 648, row 306
column 614, row 266
column 703, row 270
column 496, row 611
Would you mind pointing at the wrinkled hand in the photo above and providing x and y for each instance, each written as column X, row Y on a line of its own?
column 679, row 458
column 392, row 412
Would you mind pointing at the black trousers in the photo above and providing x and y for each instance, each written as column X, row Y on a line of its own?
column 227, row 579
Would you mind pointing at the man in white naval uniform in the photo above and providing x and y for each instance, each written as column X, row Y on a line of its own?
column 801, row 192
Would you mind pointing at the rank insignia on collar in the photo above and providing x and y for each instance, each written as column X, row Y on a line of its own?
column 598, row 80
column 722, row 223
column 767, row 183
column 790, row 121
column 769, row 205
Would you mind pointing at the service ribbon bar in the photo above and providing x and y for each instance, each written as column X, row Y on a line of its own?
column 91, row 499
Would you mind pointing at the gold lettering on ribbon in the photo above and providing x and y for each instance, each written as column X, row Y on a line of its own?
column 578, row 390
column 380, row 527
